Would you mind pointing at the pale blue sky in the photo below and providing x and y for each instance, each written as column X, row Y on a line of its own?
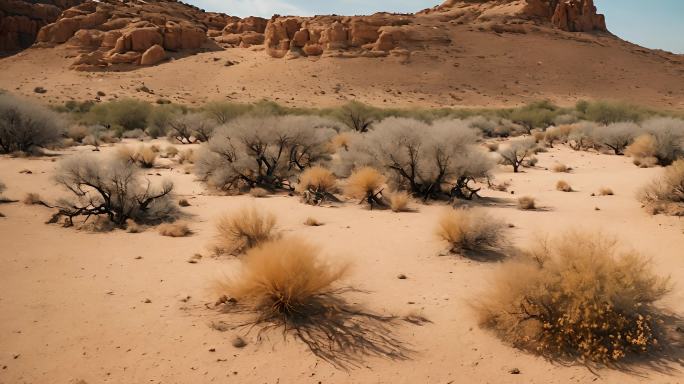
column 653, row 24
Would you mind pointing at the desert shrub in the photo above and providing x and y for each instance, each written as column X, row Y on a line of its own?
column 183, row 203
column 177, row 229
column 191, row 127
column 577, row 297
column 144, row 156
column 530, row 162
column 137, row 133
column 222, row 112
column 24, row 125
column 668, row 139
column 527, row 203
column 170, row 151
column 616, row 136
column 245, row 229
column 563, row 186
column 399, row 201
column 340, row 141
column 316, row 184
column 258, row 192
column 494, row 127
column 515, row 153
column 605, row 191
column 283, row 281
column 32, row 198
column 539, row 114
column 312, row 222
column 429, row 160
column 186, row 155
column 77, row 132
column 611, row 112
column 582, row 135
column 667, row 190
column 263, row 151
column 111, row 188
column 159, row 119
column 122, row 115
column 560, row 168
column 645, row 162
column 366, row 184
column 643, row 147
column 471, row 230
column 492, row 146
column 357, row 116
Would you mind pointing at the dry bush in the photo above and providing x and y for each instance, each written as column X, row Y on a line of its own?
column 25, row 126
column 312, row 222
column 190, row 128
column 186, row 156
column 399, row 201
column 645, row 162
column 471, row 230
column 515, row 153
column 577, row 297
column 316, row 184
column 527, row 203
column 170, row 151
column 258, row 192
column 616, row 136
column 605, row 191
column 538, row 136
column 563, row 186
column 666, row 193
column 145, row 157
column 560, row 168
column 245, row 229
column 112, row 188
column 282, row 280
column 77, row 133
column 428, row 160
column 366, row 184
column 177, row 229
column 340, row 141
column 33, row 198
column 264, row 151
column 183, row 203
column 133, row 227
column 644, row 146
column 668, row 135
column 530, row 162
column 492, row 146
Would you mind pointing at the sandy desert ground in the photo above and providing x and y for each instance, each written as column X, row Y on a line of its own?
column 80, row 307
column 479, row 69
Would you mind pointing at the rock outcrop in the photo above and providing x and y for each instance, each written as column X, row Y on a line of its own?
column 568, row 15
column 134, row 32
column 21, row 20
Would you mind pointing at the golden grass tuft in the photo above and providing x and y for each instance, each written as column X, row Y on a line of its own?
column 527, row 203
column 605, row 191
column 560, row 168
column 563, row 186
column 312, row 222
column 177, row 229
column 146, row 156
column 316, row 179
column 666, row 193
column 133, row 227
column 363, row 182
column 645, row 162
column 282, row 280
column 399, row 201
column 471, row 230
column 340, row 141
column 644, row 146
column 576, row 297
column 245, row 229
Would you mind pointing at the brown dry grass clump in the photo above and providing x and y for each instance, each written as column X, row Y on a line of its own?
column 340, row 141
column 316, row 184
column 32, row 198
column 563, row 186
column 186, row 156
column 644, row 150
column 399, row 201
column 170, row 151
column 527, row 203
column 605, row 191
column 245, row 229
column 177, row 229
column 144, row 156
column 366, row 184
column 133, row 227
column 471, row 230
column 560, row 168
column 577, row 297
column 312, row 222
column 666, row 193
column 183, row 203
column 282, row 280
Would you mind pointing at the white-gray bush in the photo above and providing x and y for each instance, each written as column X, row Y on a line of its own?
column 112, row 188
column 515, row 153
column 429, row 160
column 495, row 127
column 190, row 128
column 263, row 151
column 582, row 135
column 669, row 138
column 24, row 126
column 616, row 136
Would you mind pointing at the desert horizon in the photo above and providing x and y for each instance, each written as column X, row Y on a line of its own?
column 480, row 191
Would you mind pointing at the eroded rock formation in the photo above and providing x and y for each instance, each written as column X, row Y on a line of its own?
column 21, row 20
